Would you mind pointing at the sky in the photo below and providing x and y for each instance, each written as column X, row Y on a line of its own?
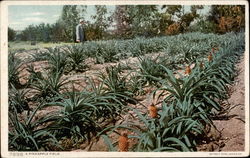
column 21, row 16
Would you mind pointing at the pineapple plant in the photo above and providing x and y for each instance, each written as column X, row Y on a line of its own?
column 14, row 70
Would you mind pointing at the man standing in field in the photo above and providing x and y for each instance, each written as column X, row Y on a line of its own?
column 80, row 31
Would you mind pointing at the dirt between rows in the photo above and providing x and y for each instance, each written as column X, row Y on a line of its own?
column 229, row 134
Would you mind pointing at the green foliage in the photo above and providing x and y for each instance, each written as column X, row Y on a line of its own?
column 75, row 119
column 150, row 70
column 75, row 58
column 227, row 17
column 173, row 9
column 57, row 59
column 85, row 112
column 113, row 80
column 116, row 84
column 29, row 33
column 46, row 84
column 142, row 19
column 168, row 132
column 18, row 100
column 69, row 19
column 105, row 53
column 181, row 117
column 186, row 51
column 14, row 68
column 184, row 18
column 136, row 84
column 97, row 30
column 204, row 26
column 11, row 34
column 135, row 20
column 205, row 85
column 186, row 110
column 29, row 134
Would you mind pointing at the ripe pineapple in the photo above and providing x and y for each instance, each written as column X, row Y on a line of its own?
column 201, row 65
column 210, row 57
column 152, row 111
column 123, row 142
column 188, row 70
column 213, row 50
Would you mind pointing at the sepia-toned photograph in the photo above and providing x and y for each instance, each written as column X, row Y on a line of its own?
column 124, row 78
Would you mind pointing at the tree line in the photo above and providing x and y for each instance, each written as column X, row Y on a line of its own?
column 129, row 21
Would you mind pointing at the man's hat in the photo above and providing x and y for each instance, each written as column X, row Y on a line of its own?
column 81, row 20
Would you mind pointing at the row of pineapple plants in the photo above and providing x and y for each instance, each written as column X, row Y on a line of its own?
column 114, row 50
column 188, row 108
column 82, row 112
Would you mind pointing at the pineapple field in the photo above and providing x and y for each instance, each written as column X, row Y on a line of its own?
column 161, row 94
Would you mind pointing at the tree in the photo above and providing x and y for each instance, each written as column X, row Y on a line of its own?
column 69, row 19
column 165, row 20
column 123, row 21
column 174, row 10
column 101, row 23
column 227, row 17
column 144, row 19
column 43, row 32
column 57, row 32
column 62, row 30
column 203, row 25
column 11, row 34
column 180, row 20
column 189, row 17
column 30, row 33
column 136, row 20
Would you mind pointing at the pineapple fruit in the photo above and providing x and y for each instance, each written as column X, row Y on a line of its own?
column 152, row 111
column 210, row 57
column 123, row 142
column 188, row 70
